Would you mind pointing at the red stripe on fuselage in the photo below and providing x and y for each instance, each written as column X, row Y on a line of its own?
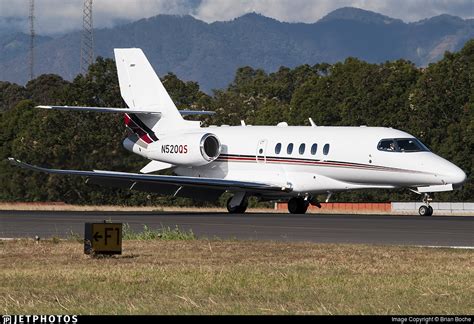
column 312, row 162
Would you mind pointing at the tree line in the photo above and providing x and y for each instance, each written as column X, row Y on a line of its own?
column 434, row 103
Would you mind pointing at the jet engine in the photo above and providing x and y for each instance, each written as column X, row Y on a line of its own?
column 193, row 149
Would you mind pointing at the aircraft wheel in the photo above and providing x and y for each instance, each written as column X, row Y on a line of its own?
column 425, row 210
column 297, row 205
column 240, row 209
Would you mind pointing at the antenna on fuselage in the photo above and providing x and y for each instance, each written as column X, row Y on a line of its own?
column 242, row 123
column 312, row 122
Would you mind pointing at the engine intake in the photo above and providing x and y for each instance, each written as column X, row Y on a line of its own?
column 210, row 147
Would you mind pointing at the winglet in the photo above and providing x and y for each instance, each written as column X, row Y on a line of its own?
column 14, row 161
column 24, row 165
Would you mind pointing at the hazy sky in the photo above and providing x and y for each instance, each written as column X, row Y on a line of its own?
column 59, row 16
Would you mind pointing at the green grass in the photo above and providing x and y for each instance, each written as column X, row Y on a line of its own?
column 234, row 277
column 164, row 233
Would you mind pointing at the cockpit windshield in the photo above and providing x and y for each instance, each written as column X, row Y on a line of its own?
column 401, row 145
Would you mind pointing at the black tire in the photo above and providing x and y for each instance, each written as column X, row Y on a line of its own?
column 424, row 211
column 240, row 209
column 430, row 211
column 293, row 206
column 304, row 207
column 297, row 205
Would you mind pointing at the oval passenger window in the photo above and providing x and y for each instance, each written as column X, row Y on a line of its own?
column 302, row 148
column 278, row 148
column 289, row 149
column 326, row 149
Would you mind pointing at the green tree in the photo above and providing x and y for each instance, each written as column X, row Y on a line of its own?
column 435, row 104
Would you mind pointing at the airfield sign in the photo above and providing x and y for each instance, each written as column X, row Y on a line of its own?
column 103, row 238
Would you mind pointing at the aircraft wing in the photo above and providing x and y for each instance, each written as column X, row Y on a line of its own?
column 193, row 187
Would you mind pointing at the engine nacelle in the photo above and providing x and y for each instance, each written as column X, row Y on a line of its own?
column 193, row 149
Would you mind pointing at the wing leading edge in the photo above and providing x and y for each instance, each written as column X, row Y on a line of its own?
column 173, row 185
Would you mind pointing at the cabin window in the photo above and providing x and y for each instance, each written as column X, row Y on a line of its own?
column 326, row 149
column 302, row 148
column 314, row 149
column 278, row 148
column 289, row 149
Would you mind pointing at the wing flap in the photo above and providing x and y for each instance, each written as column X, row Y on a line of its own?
column 159, row 188
column 195, row 193
column 114, row 183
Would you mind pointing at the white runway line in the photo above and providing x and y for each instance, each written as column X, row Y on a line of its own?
column 446, row 247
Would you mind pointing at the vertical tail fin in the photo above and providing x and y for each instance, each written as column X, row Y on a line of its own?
column 142, row 89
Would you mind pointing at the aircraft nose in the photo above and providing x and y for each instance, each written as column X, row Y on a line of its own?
column 456, row 176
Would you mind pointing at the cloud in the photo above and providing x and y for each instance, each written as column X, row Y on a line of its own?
column 311, row 10
column 60, row 16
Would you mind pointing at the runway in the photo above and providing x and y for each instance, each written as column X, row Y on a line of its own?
column 368, row 229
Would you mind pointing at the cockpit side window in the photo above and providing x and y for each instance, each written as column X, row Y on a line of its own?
column 387, row 145
column 410, row 145
column 401, row 145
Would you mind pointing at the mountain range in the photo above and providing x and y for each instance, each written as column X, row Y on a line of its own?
column 209, row 53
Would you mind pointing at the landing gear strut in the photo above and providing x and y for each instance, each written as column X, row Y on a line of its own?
column 298, row 205
column 426, row 210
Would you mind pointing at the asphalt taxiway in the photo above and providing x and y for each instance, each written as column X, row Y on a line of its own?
column 369, row 229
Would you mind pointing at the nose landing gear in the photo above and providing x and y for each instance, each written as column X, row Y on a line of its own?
column 426, row 210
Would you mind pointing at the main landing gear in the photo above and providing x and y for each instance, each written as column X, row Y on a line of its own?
column 298, row 205
column 237, row 204
column 426, row 210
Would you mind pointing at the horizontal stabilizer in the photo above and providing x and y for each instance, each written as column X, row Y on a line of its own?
column 101, row 109
column 154, row 166
column 195, row 112
column 124, row 110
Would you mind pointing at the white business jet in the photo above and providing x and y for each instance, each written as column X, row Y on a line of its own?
column 272, row 163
